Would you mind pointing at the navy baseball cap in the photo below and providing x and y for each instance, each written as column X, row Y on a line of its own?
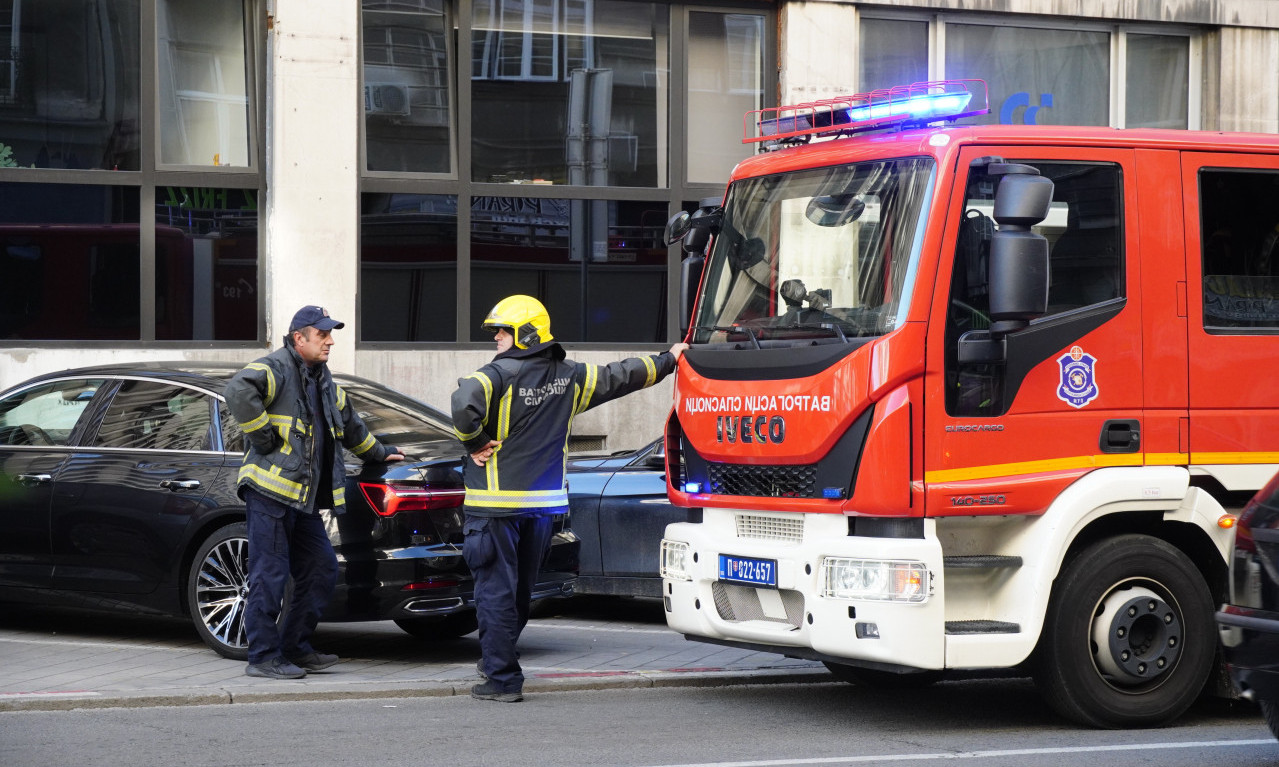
column 316, row 317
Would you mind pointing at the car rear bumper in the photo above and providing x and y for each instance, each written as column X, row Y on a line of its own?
column 1250, row 646
column 431, row 581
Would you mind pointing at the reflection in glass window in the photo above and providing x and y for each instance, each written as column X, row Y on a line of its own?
column 893, row 52
column 45, row 415
column 408, row 267
column 203, row 98
column 206, row 264
column 1036, row 76
column 1239, row 225
column 69, row 262
column 598, row 266
column 69, row 84
column 569, row 92
column 725, row 81
column 407, row 85
column 148, row 415
column 1158, row 81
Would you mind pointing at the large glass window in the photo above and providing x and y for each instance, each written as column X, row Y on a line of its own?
column 1157, row 81
column 206, row 264
column 893, row 52
column 1036, row 76
column 569, row 92
column 202, row 87
column 408, row 85
column 69, row 262
column 408, row 267
column 599, row 266
column 69, row 84
column 725, row 81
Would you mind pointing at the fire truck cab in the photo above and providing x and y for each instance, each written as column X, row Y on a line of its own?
column 976, row 397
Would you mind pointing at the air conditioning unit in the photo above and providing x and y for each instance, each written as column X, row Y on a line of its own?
column 386, row 99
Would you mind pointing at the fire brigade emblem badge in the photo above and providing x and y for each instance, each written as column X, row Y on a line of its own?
column 1078, row 378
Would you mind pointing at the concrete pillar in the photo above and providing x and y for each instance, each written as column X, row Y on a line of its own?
column 819, row 47
column 1249, row 96
column 311, row 220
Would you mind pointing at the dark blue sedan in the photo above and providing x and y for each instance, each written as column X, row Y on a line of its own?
column 620, row 511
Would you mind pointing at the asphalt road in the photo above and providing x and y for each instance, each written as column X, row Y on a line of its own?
column 977, row 722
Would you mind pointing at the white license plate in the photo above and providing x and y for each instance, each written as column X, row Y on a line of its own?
column 757, row 572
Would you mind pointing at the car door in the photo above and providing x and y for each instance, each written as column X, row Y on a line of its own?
column 633, row 514
column 1232, row 248
column 126, row 496
column 37, row 424
column 1006, row 436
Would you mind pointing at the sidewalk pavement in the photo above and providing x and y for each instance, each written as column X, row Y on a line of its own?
column 58, row 660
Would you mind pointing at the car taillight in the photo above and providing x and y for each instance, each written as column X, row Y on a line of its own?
column 389, row 500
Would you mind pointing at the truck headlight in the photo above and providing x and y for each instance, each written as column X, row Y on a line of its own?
column 874, row 580
column 676, row 563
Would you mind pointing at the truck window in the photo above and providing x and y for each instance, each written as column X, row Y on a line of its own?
column 1239, row 223
column 1084, row 229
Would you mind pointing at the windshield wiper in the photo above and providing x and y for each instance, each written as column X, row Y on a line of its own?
column 731, row 330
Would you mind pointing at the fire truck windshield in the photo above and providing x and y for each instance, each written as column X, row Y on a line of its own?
column 826, row 255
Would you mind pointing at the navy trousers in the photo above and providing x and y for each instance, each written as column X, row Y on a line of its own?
column 284, row 543
column 504, row 555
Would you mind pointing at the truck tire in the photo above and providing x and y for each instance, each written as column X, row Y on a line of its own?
column 883, row 680
column 1129, row 638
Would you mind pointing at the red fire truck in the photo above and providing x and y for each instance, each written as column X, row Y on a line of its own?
column 975, row 397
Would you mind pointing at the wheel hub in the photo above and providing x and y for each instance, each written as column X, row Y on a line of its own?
column 1137, row 635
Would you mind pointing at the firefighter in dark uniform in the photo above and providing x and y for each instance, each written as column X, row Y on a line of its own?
column 294, row 418
column 513, row 417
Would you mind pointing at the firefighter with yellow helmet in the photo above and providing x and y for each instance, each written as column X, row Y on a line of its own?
column 513, row 417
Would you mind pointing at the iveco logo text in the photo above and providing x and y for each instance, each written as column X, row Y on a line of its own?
column 975, row 427
column 760, row 428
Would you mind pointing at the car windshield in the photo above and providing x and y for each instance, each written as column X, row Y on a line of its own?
column 827, row 254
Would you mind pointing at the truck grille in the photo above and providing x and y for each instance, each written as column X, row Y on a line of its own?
column 760, row 527
column 741, row 603
column 762, row 481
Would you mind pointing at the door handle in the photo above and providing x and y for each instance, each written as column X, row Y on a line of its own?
column 180, row 484
column 1121, row 435
column 32, row 479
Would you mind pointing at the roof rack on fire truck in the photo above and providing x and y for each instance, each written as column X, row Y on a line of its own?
column 898, row 107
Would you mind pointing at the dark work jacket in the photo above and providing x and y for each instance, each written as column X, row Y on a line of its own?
column 268, row 399
column 526, row 399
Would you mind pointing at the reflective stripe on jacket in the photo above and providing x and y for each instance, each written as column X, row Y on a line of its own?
column 268, row 400
column 527, row 401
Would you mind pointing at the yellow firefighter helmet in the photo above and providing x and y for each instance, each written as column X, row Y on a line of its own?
column 525, row 317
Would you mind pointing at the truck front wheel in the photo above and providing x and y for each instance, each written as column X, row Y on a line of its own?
column 1129, row 638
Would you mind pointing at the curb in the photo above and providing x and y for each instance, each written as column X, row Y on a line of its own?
column 536, row 684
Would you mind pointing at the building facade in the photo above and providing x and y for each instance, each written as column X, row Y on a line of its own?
column 177, row 177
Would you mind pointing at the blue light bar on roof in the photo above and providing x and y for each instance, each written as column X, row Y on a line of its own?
column 902, row 106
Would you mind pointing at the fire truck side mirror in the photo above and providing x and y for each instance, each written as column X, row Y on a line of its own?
column 1018, row 266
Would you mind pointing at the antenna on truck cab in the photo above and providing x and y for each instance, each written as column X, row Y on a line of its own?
column 901, row 106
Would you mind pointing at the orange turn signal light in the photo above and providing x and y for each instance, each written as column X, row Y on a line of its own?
column 1227, row 521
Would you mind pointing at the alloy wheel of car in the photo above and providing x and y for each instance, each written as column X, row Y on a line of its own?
column 218, row 588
